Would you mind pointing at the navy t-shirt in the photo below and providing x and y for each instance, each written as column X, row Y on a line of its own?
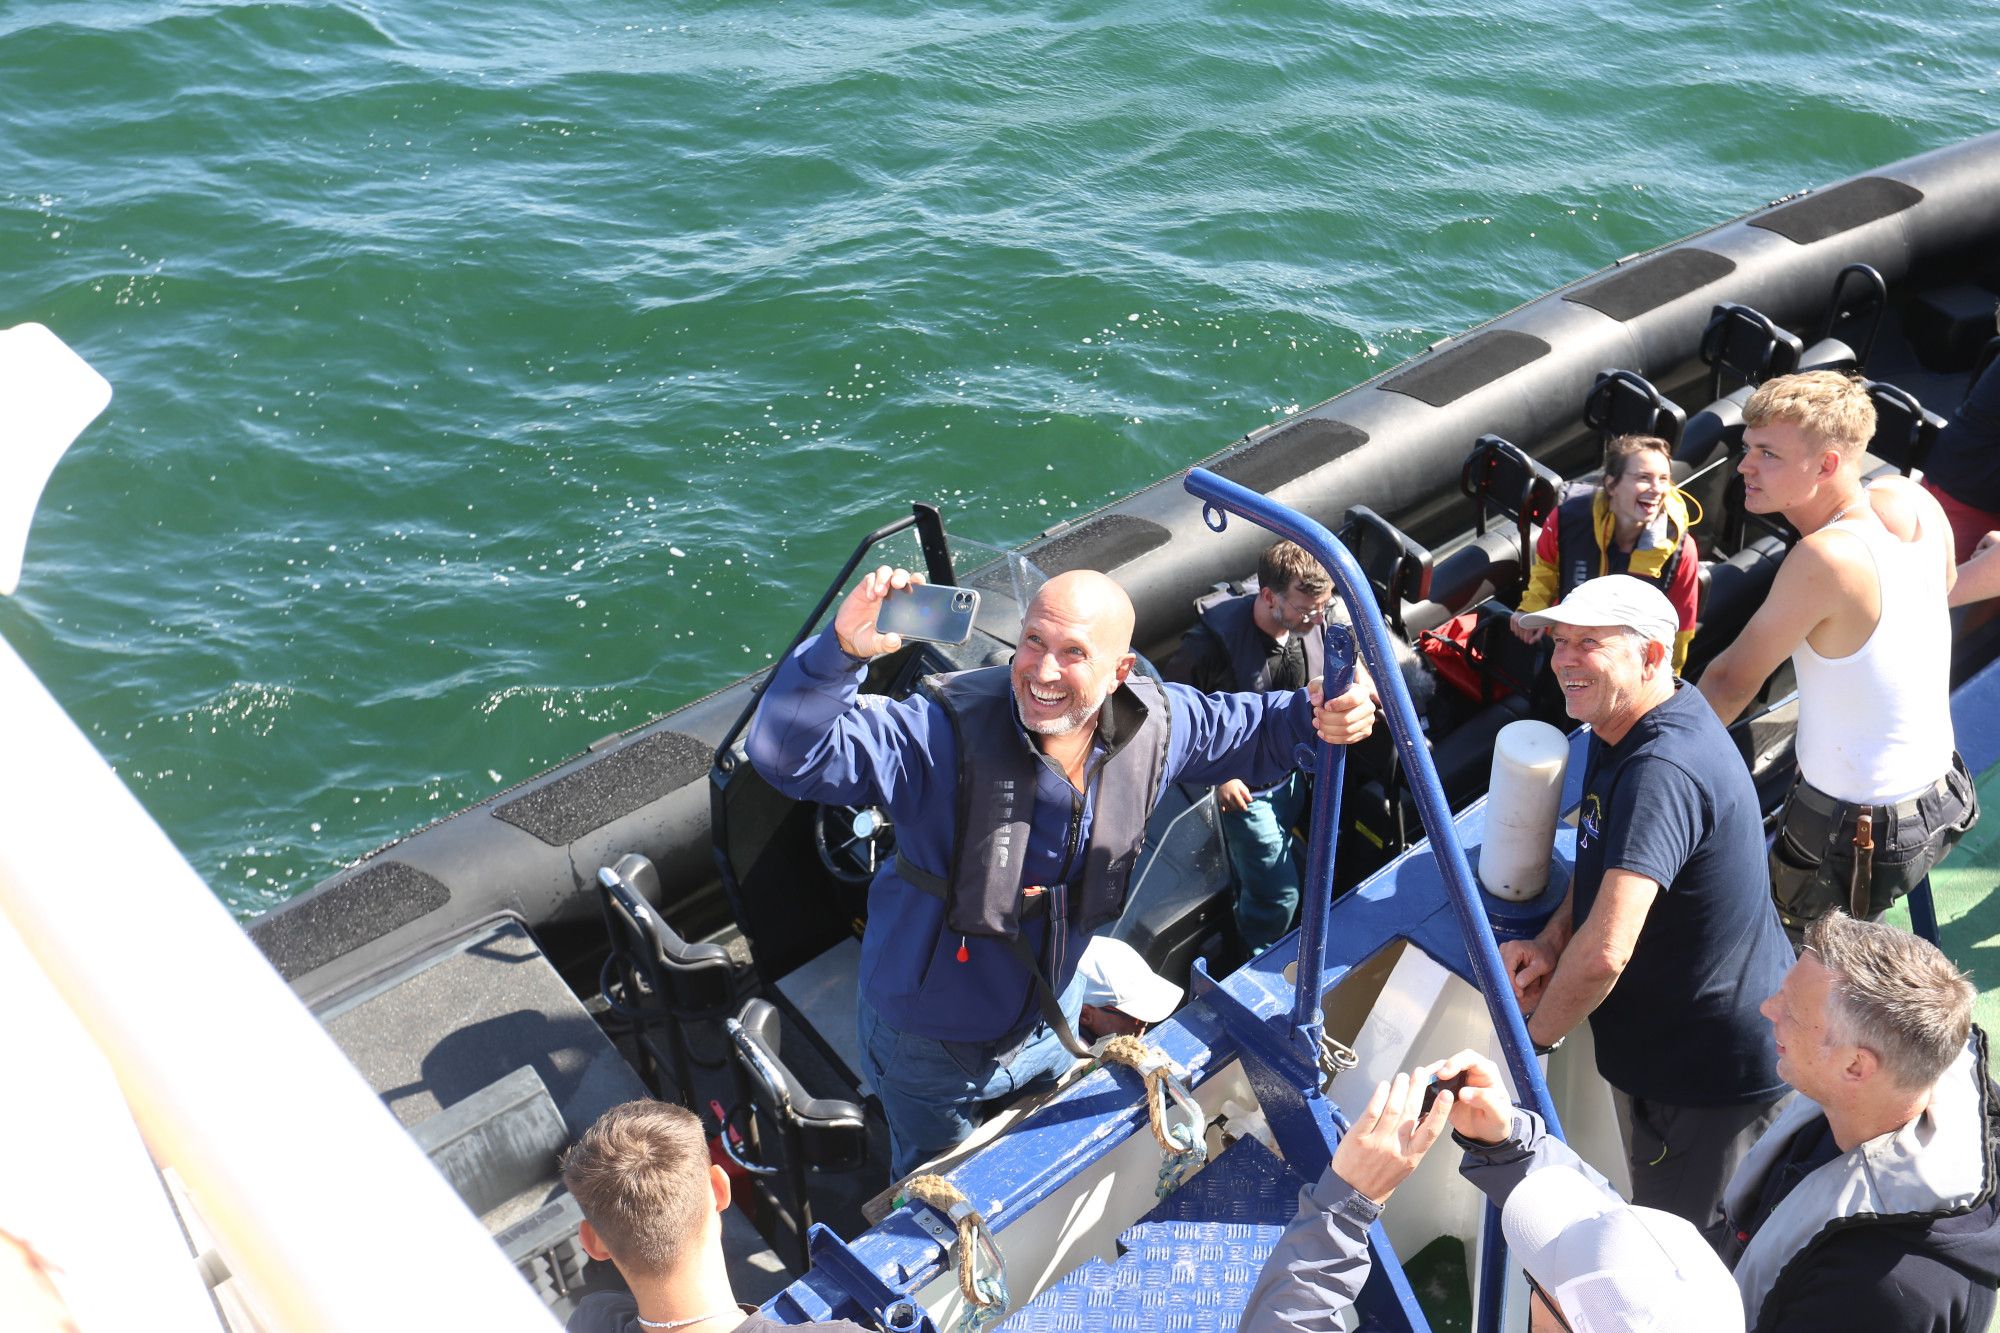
column 1673, row 801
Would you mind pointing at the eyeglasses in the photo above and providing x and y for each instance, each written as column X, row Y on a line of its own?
column 1535, row 1289
column 1295, row 618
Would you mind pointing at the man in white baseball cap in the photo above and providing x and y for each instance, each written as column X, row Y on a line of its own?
column 1667, row 941
column 1121, row 995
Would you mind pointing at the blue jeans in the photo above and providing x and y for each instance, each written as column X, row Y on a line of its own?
column 1263, row 862
column 934, row 1092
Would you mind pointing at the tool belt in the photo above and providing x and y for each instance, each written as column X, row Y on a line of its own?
column 1827, row 855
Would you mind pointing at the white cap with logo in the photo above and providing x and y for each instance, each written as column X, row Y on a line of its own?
column 1615, row 599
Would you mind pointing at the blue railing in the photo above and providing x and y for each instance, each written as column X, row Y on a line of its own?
column 1295, row 1081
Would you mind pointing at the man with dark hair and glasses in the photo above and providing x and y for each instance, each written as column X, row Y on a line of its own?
column 1593, row 1262
column 1264, row 640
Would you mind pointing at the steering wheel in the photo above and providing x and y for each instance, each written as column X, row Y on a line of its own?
column 853, row 841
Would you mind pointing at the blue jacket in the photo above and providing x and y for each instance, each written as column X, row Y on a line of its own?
column 817, row 738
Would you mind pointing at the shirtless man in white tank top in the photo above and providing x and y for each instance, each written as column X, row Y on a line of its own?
column 1859, row 605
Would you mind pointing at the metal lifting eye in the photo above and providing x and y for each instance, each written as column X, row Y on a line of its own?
column 1217, row 519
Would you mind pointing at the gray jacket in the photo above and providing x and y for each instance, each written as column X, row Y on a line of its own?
column 1322, row 1260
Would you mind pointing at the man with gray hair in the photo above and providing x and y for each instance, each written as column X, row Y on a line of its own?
column 1665, row 941
column 1872, row 1202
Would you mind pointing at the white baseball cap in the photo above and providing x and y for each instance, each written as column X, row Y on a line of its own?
column 1116, row 977
column 1615, row 599
column 1612, row 1266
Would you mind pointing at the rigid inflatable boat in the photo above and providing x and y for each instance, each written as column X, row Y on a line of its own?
column 652, row 918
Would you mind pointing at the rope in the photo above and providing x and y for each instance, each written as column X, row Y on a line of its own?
column 1184, row 1145
column 1154, row 1068
column 985, row 1295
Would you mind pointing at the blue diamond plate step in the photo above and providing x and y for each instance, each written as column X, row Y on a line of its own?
column 1186, row 1267
column 1247, row 1182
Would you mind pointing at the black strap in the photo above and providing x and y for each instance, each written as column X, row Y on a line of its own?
column 937, row 886
column 1045, row 999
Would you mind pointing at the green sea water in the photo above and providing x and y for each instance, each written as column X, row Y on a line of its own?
column 491, row 378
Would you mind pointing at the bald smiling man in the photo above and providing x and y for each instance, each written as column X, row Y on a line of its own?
column 1019, row 796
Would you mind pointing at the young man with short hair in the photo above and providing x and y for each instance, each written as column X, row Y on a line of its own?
column 1267, row 640
column 652, row 1207
column 1860, row 607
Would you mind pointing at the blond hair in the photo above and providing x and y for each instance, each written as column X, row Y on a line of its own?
column 1894, row 993
column 640, row 1174
column 1833, row 409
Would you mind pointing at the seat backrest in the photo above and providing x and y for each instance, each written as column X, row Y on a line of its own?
column 689, row 980
column 831, row 1134
column 1904, row 431
column 1854, row 312
column 1744, row 345
column 1397, row 568
column 1623, row 402
column 497, row 1143
column 1501, row 479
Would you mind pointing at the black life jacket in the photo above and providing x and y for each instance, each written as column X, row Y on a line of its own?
column 997, row 766
column 1230, row 621
column 1580, row 557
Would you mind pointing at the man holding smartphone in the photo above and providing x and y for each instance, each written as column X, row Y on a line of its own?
column 1594, row 1263
column 1020, row 796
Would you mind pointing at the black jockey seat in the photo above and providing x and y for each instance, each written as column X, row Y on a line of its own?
column 777, row 1128
column 1904, row 429
column 1623, row 402
column 656, row 980
column 1736, row 588
column 1398, row 570
column 1853, row 319
column 1502, row 482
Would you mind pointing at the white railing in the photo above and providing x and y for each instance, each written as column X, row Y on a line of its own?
column 316, row 1198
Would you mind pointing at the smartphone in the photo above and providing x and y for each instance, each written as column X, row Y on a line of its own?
column 929, row 611
column 1453, row 1085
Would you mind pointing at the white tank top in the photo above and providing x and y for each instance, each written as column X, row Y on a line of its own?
column 1875, row 726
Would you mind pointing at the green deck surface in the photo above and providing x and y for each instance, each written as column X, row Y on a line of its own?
column 1968, row 910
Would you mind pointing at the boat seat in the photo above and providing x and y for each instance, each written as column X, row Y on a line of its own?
column 1736, row 588
column 1947, row 326
column 501, row 1149
column 1904, row 429
column 656, row 980
column 1623, row 402
column 1398, row 570
column 1829, row 354
column 779, row 1128
column 1502, row 481
column 1482, row 569
column 1744, row 346
column 1719, row 426
column 1464, row 758
column 1853, row 319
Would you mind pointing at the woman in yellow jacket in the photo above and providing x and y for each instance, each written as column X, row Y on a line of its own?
column 1635, row 523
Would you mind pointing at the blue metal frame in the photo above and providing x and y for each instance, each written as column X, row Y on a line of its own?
column 1220, row 497
column 1285, row 1078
